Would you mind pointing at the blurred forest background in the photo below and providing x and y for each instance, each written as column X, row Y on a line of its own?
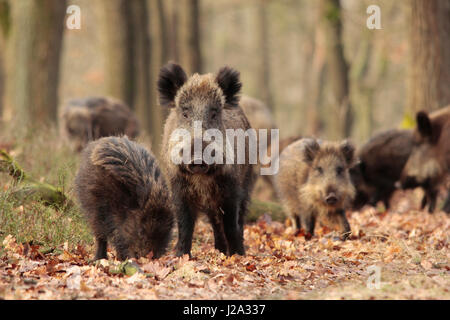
column 315, row 63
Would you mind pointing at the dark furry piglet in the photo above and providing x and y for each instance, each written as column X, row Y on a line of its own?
column 124, row 198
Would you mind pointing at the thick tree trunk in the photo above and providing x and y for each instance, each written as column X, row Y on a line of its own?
column 128, row 56
column 174, row 45
column 264, row 58
column 337, row 68
column 33, row 59
column 118, row 49
column 316, row 85
column 163, row 33
column 430, row 55
column 194, row 36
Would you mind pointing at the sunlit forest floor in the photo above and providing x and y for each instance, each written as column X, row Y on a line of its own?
column 45, row 252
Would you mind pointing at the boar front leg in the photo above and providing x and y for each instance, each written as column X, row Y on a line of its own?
column 308, row 221
column 186, row 223
column 232, row 228
column 343, row 223
column 431, row 195
column 101, row 249
column 446, row 207
column 220, row 240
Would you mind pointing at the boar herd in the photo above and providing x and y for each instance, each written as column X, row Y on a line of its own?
column 133, row 203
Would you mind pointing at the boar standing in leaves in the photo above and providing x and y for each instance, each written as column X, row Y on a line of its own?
column 125, row 198
column 221, row 191
column 314, row 183
column 428, row 166
column 89, row 119
column 381, row 161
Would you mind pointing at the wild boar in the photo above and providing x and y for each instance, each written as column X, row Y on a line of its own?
column 125, row 198
column 85, row 120
column 221, row 190
column 314, row 182
column 381, row 161
column 429, row 163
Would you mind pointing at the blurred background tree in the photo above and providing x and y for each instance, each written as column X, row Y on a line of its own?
column 430, row 55
column 32, row 34
column 315, row 63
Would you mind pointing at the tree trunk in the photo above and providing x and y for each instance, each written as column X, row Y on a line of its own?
column 32, row 62
column 128, row 55
column 118, row 50
column 5, row 24
column 337, row 68
column 429, row 87
column 316, row 84
column 263, row 45
column 174, row 45
column 163, row 33
column 193, row 36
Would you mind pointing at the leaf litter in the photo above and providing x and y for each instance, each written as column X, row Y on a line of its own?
column 410, row 248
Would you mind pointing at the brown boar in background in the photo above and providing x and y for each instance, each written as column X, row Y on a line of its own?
column 124, row 198
column 222, row 191
column 85, row 120
column 314, row 183
column 428, row 165
column 381, row 161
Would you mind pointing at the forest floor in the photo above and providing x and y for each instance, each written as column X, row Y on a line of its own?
column 46, row 252
column 409, row 251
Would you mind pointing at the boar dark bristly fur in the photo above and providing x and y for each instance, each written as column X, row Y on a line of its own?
column 125, row 198
column 84, row 120
column 314, row 182
column 381, row 161
column 222, row 191
column 428, row 166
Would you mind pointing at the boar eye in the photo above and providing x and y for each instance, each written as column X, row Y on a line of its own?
column 339, row 171
column 319, row 170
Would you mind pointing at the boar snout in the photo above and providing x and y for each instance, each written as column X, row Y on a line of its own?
column 331, row 199
column 198, row 168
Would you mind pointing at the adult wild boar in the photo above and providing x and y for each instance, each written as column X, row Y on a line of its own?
column 428, row 165
column 222, row 191
column 88, row 119
column 381, row 162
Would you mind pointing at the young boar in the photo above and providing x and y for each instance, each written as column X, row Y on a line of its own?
column 84, row 120
column 222, row 191
column 124, row 198
column 314, row 182
column 428, row 165
column 381, row 161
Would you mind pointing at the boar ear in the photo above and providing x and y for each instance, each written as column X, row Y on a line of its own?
column 310, row 149
column 228, row 80
column 171, row 78
column 348, row 151
column 424, row 124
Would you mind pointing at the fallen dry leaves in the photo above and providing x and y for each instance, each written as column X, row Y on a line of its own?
column 412, row 250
